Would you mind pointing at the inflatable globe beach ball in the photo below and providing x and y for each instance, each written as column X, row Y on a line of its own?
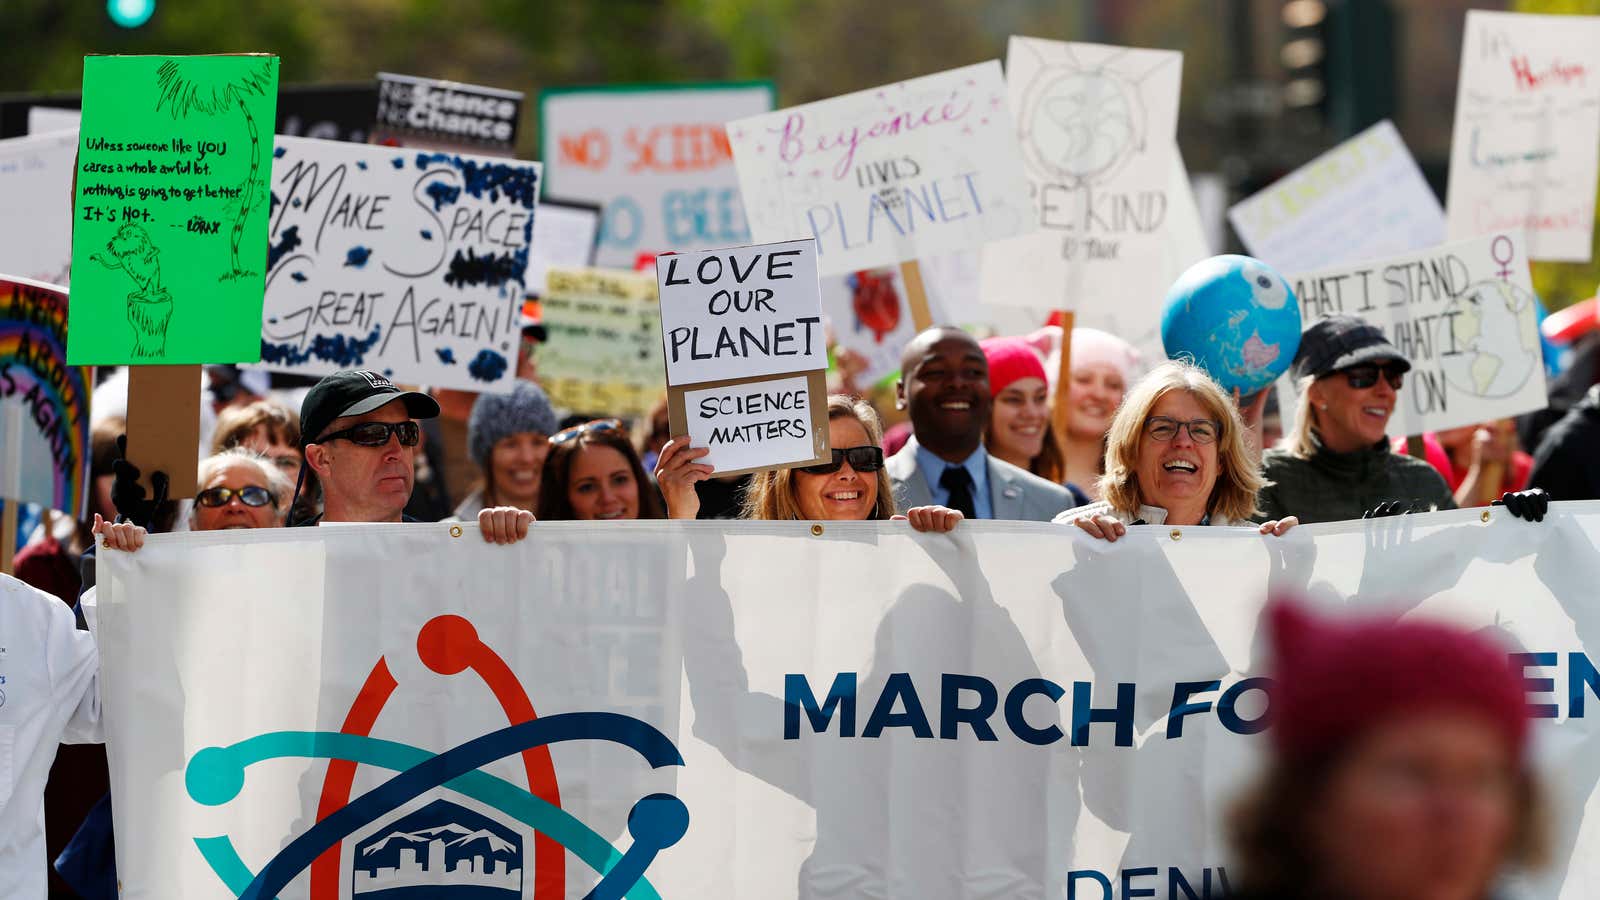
column 1235, row 317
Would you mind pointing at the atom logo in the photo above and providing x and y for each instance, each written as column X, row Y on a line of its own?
column 443, row 835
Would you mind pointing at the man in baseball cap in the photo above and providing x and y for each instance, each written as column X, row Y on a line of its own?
column 359, row 434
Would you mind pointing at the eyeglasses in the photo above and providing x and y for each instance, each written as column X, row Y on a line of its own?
column 251, row 495
column 576, row 431
column 1365, row 376
column 376, row 434
column 861, row 459
column 1164, row 429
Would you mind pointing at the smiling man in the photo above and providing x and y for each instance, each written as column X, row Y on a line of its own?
column 944, row 382
column 361, row 438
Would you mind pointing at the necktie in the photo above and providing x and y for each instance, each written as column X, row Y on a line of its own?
column 958, row 482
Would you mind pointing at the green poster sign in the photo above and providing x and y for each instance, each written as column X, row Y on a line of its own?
column 169, row 239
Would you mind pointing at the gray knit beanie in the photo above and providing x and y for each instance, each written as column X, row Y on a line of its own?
column 496, row 416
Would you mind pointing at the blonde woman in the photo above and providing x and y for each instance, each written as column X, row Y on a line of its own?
column 852, row 486
column 1175, row 455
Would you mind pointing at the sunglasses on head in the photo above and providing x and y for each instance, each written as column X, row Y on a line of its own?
column 249, row 496
column 1366, row 375
column 376, row 434
column 576, row 431
column 861, row 459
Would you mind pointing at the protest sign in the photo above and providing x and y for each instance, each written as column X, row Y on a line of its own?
column 330, row 112
column 406, row 262
column 1524, row 151
column 1098, row 128
column 1465, row 315
column 604, row 352
column 171, row 209
column 655, row 157
column 425, row 112
column 730, row 320
column 1364, row 199
column 889, row 174
column 36, row 224
column 46, row 433
column 42, row 119
column 564, row 235
column 1010, row 710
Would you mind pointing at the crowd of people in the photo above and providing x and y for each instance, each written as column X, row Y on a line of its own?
column 1160, row 444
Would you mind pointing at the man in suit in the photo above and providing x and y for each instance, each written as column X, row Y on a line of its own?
column 944, row 382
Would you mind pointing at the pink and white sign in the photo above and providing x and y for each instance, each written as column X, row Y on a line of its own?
column 911, row 169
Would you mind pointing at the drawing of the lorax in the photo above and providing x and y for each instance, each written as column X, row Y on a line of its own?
column 149, row 304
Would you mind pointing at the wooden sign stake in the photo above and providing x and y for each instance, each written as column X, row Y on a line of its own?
column 1059, row 413
column 916, row 295
column 8, row 535
column 164, row 425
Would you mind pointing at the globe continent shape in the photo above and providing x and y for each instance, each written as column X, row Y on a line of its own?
column 1235, row 317
column 1495, row 331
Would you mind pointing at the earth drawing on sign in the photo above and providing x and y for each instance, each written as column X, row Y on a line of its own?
column 1496, row 327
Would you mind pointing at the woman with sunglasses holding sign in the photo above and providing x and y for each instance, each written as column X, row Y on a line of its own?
column 1337, row 463
column 852, row 486
column 592, row 472
column 1175, row 455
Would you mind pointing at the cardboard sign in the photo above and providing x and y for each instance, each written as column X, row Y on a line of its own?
column 730, row 320
column 1523, row 154
column 171, row 209
column 1364, row 199
column 604, row 352
column 887, row 175
column 428, row 112
column 1463, row 313
column 44, row 403
column 405, row 262
column 1098, row 127
column 656, row 157
column 564, row 235
column 36, row 217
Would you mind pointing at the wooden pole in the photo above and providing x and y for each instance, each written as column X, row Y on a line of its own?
column 1416, row 448
column 164, row 425
column 1059, row 410
column 8, row 535
column 916, row 295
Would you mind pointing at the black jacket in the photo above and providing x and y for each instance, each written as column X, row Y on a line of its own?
column 1567, row 463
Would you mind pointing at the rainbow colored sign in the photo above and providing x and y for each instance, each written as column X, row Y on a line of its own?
column 44, row 403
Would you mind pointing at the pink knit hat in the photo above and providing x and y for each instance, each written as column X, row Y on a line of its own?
column 1011, row 359
column 1090, row 346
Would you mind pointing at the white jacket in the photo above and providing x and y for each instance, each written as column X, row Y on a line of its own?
column 47, row 696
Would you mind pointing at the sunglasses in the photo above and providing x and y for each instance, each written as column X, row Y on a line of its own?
column 1165, row 428
column 249, row 496
column 1365, row 376
column 576, row 431
column 376, row 434
column 861, row 459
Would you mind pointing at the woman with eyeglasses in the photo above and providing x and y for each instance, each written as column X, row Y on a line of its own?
column 593, row 472
column 1337, row 463
column 1175, row 455
column 852, row 486
column 239, row 488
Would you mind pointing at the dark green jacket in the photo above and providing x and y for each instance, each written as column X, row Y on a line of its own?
column 1331, row 487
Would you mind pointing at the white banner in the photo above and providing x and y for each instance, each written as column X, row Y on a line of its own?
column 774, row 710
column 407, row 262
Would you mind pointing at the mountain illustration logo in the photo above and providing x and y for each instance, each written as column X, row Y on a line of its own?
column 443, row 849
column 443, row 844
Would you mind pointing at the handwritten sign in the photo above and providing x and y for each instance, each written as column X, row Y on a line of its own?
column 886, row 175
column 171, row 209
column 439, row 114
column 1523, row 154
column 657, row 159
column 407, row 262
column 1097, row 126
column 44, row 403
column 730, row 320
column 36, row 217
column 564, row 234
column 1364, row 199
column 604, row 352
column 1464, row 313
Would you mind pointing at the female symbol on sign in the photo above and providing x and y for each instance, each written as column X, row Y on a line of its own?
column 1504, row 261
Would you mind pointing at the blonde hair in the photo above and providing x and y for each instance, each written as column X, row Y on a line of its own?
column 1238, row 482
column 1302, row 440
column 770, row 495
column 278, row 483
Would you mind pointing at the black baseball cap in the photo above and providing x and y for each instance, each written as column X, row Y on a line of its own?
column 1339, row 342
column 352, row 393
